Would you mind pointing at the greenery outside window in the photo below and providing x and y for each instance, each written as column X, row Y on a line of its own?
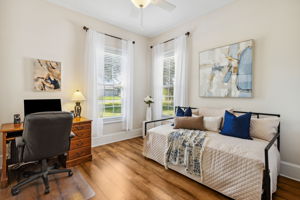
column 112, row 101
column 168, row 84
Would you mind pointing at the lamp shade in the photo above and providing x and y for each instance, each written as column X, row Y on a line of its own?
column 141, row 3
column 78, row 96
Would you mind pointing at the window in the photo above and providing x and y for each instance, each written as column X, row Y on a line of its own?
column 168, row 84
column 112, row 103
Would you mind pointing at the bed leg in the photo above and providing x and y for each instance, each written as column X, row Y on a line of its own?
column 266, row 185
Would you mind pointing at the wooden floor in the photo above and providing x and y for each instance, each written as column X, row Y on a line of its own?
column 120, row 172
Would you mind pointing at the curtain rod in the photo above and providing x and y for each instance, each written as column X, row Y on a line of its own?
column 86, row 29
column 187, row 34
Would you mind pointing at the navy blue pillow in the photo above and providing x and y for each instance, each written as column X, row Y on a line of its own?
column 179, row 112
column 237, row 126
column 188, row 112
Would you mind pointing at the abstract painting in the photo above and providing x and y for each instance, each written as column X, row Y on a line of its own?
column 47, row 75
column 227, row 71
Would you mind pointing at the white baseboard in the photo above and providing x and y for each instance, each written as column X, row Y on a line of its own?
column 116, row 137
column 290, row 170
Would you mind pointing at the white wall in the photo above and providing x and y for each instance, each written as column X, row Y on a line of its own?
column 275, row 27
column 37, row 29
column 34, row 29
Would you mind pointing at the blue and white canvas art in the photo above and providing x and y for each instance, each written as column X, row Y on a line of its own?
column 227, row 71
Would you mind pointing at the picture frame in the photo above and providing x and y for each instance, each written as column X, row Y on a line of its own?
column 226, row 71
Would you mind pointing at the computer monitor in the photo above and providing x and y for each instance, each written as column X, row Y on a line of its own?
column 41, row 105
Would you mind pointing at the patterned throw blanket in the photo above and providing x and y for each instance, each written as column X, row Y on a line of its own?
column 185, row 148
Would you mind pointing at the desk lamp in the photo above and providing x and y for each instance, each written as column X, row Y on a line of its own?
column 77, row 97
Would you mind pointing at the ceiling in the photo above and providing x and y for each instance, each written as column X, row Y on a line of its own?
column 122, row 13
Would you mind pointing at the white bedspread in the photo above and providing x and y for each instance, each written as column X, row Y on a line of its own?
column 230, row 165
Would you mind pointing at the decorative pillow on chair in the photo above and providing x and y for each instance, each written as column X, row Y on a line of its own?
column 264, row 128
column 193, row 123
column 237, row 126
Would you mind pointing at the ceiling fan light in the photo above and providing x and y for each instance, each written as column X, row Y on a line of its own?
column 141, row 3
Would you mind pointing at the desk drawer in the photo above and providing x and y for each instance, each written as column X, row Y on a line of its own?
column 75, row 144
column 73, row 154
column 81, row 134
column 81, row 127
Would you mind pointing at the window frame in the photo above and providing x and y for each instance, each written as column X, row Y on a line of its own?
column 170, row 54
column 113, row 119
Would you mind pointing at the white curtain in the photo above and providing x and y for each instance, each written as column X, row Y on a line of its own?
column 94, row 79
column 157, row 79
column 127, row 83
column 181, row 71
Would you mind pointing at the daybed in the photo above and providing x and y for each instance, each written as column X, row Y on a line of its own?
column 238, row 168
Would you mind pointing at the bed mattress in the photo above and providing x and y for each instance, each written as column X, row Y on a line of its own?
column 231, row 166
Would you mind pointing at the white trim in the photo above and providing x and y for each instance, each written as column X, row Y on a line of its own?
column 116, row 137
column 290, row 170
column 289, row 177
column 110, row 120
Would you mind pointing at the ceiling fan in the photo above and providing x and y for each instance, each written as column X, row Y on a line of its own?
column 142, row 4
column 164, row 4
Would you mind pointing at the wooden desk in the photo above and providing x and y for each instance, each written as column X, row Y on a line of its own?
column 80, row 147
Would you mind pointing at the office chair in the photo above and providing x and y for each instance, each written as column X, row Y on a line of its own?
column 45, row 135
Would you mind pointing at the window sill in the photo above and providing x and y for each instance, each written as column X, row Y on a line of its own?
column 111, row 120
column 167, row 116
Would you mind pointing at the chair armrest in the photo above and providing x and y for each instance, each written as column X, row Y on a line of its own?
column 153, row 121
column 72, row 135
column 20, row 142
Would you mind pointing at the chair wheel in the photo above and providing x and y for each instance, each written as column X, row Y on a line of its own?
column 70, row 173
column 15, row 191
column 47, row 190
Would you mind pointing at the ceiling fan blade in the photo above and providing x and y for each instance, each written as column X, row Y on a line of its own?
column 134, row 12
column 164, row 4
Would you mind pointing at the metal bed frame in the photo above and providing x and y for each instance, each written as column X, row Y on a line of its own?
column 266, row 187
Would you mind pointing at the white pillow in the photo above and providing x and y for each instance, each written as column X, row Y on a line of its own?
column 264, row 128
column 212, row 112
column 212, row 123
